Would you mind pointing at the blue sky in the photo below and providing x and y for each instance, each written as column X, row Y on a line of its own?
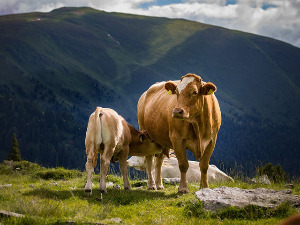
column 279, row 19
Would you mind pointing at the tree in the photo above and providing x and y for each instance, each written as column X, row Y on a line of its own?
column 15, row 154
column 275, row 174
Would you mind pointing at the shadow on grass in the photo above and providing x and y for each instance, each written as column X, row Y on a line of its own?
column 113, row 196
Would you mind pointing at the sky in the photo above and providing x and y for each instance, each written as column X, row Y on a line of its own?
column 279, row 19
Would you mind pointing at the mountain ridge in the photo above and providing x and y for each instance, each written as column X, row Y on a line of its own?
column 71, row 60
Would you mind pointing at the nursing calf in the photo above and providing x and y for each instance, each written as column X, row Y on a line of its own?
column 111, row 136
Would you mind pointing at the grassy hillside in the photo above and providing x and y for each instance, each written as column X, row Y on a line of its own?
column 56, row 196
column 56, row 67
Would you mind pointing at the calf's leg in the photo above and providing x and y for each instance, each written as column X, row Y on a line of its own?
column 105, row 161
column 123, row 169
column 149, row 162
column 89, row 169
column 92, row 155
column 158, row 165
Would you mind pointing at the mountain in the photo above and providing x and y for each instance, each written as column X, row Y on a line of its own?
column 56, row 67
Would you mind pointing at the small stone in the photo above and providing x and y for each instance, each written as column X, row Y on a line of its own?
column 5, row 186
column 139, row 188
column 173, row 181
column 117, row 186
column 261, row 180
column 10, row 214
column 109, row 184
column 53, row 184
column 112, row 221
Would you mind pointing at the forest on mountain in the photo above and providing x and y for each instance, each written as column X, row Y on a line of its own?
column 56, row 67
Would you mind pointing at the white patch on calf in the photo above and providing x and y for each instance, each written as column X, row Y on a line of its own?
column 185, row 81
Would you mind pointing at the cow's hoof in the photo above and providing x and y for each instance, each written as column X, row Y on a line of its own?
column 183, row 191
column 103, row 191
column 88, row 191
column 160, row 188
column 152, row 188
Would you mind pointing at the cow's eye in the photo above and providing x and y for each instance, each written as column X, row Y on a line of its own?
column 195, row 92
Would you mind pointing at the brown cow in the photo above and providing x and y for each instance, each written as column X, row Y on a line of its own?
column 111, row 136
column 181, row 115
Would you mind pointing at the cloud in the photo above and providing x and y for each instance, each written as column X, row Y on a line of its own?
column 278, row 19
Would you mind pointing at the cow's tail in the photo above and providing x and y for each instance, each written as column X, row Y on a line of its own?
column 98, row 125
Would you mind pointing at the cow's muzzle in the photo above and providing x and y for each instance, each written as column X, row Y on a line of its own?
column 179, row 113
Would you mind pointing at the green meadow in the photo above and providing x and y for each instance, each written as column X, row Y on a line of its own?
column 56, row 196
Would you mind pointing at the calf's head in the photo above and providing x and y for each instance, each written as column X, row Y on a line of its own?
column 190, row 95
column 146, row 146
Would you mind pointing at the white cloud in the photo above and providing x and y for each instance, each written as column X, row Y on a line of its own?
column 279, row 19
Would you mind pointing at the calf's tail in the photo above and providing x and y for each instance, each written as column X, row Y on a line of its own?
column 93, row 137
column 98, row 133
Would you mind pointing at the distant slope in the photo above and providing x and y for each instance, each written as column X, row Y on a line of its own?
column 67, row 62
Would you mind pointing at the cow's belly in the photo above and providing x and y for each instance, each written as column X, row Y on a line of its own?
column 158, row 129
column 156, row 121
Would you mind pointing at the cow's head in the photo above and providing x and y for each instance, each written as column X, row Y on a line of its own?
column 190, row 95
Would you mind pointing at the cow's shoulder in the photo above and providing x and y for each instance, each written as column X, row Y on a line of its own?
column 156, row 87
column 159, row 86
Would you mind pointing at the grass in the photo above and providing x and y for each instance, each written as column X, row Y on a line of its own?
column 58, row 201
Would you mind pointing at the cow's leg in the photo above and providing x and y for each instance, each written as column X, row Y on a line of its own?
column 149, row 162
column 180, row 152
column 105, row 161
column 123, row 168
column 158, row 165
column 204, row 164
column 89, row 166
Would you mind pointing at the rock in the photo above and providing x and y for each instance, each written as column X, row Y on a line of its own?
column 289, row 186
column 53, row 184
column 261, row 180
column 112, row 221
column 221, row 197
column 109, row 184
column 4, row 213
column 171, row 180
column 117, row 186
column 5, row 186
column 139, row 188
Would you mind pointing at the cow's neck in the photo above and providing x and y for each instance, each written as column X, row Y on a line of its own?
column 134, row 133
column 199, row 151
column 202, row 135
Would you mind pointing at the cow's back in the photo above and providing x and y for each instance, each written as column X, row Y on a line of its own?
column 112, row 128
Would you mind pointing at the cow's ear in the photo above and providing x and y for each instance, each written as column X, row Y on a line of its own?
column 142, row 137
column 208, row 89
column 170, row 87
